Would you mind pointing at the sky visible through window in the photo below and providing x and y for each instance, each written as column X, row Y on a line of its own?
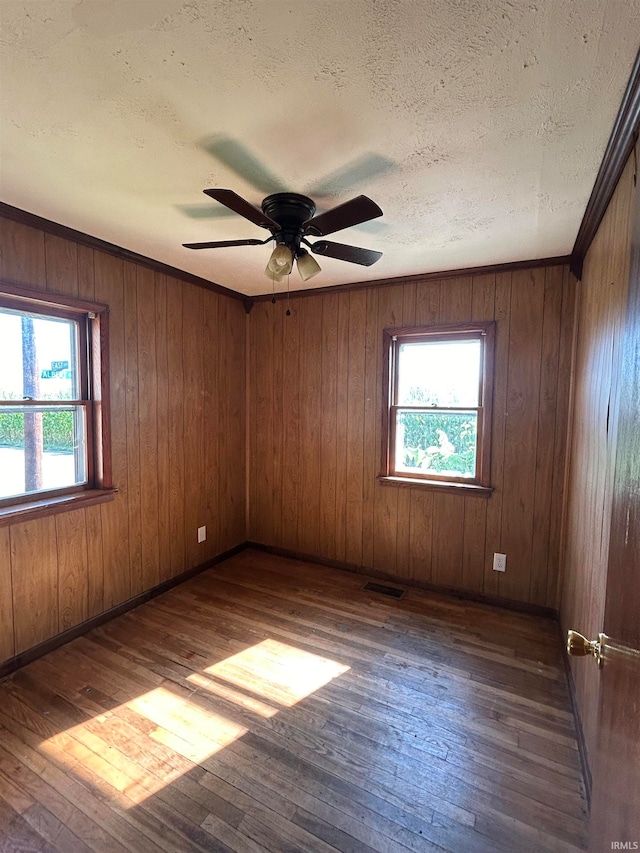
column 443, row 373
column 53, row 345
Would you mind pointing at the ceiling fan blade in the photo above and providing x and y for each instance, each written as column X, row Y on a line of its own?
column 224, row 244
column 204, row 211
column 236, row 203
column 236, row 157
column 352, row 254
column 359, row 209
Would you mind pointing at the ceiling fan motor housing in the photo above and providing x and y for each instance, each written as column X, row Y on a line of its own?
column 290, row 211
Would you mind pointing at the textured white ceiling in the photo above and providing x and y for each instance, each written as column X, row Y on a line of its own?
column 477, row 125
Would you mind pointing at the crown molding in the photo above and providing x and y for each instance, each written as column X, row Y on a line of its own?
column 490, row 269
column 620, row 145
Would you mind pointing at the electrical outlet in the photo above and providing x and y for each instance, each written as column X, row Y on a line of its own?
column 202, row 534
column 499, row 562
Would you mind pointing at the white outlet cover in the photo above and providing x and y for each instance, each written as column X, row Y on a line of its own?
column 202, row 533
column 499, row 562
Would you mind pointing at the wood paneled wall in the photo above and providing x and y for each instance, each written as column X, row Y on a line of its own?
column 315, row 420
column 602, row 300
column 177, row 359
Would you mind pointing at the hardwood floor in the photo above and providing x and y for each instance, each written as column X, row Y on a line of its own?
column 270, row 704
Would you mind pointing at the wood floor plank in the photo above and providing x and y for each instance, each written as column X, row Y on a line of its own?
column 16, row 836
column 271, row 704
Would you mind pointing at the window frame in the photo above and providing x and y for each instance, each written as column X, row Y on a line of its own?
column 93, row 348
column 392, row 339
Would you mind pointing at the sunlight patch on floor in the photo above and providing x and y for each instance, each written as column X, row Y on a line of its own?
column 277, row 671
column 225, row 691
column 119, row 763
column 136, row 749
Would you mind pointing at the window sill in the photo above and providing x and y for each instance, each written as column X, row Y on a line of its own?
column 29, row 510
column 470, row 489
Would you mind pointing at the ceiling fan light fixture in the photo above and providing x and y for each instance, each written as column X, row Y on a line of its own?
column 281, row 261
column 274, row 276
column 307, row 265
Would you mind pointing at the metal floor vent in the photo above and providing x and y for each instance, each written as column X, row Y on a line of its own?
column 391, row 591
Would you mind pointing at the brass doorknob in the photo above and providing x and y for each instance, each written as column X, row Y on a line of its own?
column 579, row 646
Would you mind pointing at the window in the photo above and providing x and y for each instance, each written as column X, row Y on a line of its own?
column 437, row 406
column 53, row 403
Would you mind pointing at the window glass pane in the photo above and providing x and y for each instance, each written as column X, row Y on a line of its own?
column 41, row 448
column 442, row 373
column 436, row 442
column 38, row 357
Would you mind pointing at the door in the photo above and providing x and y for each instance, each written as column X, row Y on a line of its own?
column 615, row 810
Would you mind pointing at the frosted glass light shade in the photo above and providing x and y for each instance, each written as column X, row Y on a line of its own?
column 281, row 260
column 307, row 266
column 273, row 276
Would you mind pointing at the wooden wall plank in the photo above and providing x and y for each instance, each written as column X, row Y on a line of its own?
column 261, row 391
column 86, row 274
column 427, row 302
column 291, row 484
column 234, row 404
column 483, row 291
column 61, row 264
column 473, row 544
column 22, row 255
column 277, row 407
column 447, row 541
column 552, row 318
column 193, row 426
column 342, row 408
column 455, row 300
column 7, row 643
column 328, row 415
column 361, row 469
column 73, row 568
column 148, row 428
column 34, row 569
column 163, row 396
column 483, row 297
column 563, row 397
column 521, row 434
column 175, row 355
column 269, row 426
column 310, row 383
column 420, row 535
column 132, row 402
column 370, row 464
column 212, row 421
column 95, row 561
column 226, row 425
column 228, row 437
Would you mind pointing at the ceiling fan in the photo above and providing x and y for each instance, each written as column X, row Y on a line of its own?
column 291, row 218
